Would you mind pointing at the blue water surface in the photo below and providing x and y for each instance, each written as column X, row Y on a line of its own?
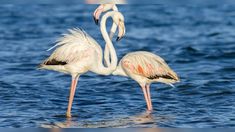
column 198, row 42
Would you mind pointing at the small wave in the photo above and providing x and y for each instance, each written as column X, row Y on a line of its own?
column 213, row 34
column 219, row 94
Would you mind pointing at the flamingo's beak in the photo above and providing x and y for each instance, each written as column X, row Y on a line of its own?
column 122, row 30
column 96, row 20
column 97, row 14
column 119, row 38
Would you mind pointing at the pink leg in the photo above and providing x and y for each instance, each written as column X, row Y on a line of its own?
column 149, row 96
column 71, row 96
column 145, row 96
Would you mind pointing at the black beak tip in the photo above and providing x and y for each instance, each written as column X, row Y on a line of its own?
column 118, row 39
column 96, row 21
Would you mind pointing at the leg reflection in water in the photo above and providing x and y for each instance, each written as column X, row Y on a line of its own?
column 144, row 119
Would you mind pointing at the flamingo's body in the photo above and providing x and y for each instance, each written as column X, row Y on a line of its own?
column 78, row 53
column 145, row 68
column 75, row 54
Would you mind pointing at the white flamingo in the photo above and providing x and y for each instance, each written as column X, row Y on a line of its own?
column 143, row 67
column 78, row 53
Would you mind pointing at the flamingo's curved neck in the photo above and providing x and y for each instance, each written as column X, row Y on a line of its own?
column 111, row 34
column 101, row 69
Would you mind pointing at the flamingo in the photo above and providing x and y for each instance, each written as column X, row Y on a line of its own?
column 78, row 53
column 143, row 67
column 146, row 68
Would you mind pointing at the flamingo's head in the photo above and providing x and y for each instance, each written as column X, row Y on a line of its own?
column 103, row 8
column 118, row 19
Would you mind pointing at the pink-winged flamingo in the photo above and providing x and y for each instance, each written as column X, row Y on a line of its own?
column 143, row 67
column 146, row 68
column 78, row 53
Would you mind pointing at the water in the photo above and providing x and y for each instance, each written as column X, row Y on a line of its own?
column 198, row 42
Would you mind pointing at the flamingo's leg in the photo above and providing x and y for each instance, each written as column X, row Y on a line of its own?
column 149, row 96
column 145, row 96
column 71, row 96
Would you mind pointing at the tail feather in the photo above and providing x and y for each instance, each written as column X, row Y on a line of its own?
column 171, row 85
column 39, row 67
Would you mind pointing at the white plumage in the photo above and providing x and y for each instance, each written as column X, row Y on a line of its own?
column 76, row 50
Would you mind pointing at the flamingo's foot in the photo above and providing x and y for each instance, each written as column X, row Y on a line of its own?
column 68, row 115
column 149, row 111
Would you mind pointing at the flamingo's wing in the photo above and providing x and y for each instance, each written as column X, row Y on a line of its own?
column 72, row 47
column 148, row 65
